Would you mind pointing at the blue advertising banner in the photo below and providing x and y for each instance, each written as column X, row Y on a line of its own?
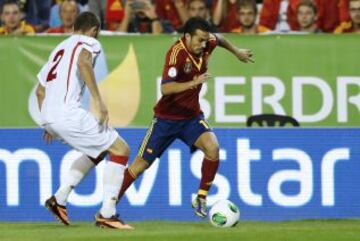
column 271, row 174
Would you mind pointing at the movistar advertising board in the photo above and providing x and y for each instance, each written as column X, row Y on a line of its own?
column 271, row 174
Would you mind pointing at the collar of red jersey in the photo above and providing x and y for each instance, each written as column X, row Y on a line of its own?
column 197, row 64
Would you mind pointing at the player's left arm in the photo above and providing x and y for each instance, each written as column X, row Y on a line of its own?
column 244, row 55
column 85, row 65
column 40, row 89
column 40, row 94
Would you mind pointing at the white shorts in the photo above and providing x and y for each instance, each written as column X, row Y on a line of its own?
column 80, row 129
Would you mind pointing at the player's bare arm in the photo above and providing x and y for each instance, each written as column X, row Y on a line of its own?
column 40, row 94
column 175, row 87
column 87, row 74
column 244, row 55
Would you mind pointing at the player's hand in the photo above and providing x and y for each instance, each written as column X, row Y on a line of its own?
column 103, row 116
column 149, row 9
column 244, row 55
column 200, row 79
column 48, row 138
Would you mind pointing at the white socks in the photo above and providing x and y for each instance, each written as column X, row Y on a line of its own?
column 113, row 179
column 77, row 172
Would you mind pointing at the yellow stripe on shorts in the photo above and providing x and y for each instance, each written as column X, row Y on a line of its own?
column 146, row 139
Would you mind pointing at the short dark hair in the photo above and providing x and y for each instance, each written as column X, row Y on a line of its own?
column 8, row 2
column 248, row 3
column 86, row 21
column 307, row 3
column 196, row 23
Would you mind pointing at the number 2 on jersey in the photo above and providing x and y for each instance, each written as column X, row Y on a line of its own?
column 52, row 74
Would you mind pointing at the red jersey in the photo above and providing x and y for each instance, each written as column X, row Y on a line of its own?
column 229, row 21
column 115, row 12
column 182, row 66
column 327, row 19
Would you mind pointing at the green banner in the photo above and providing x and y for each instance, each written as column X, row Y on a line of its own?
column 314, row 78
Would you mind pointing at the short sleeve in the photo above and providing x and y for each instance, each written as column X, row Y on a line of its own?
column 212, row 42
column 91, row 45
column 172, row 66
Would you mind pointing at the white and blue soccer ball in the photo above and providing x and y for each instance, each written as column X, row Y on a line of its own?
column 224, row 214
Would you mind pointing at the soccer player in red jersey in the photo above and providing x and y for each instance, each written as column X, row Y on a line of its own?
column 178, row 114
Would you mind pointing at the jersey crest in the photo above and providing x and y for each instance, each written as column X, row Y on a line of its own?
column 188, row 66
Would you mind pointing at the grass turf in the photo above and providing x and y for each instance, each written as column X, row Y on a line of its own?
column 314, row 230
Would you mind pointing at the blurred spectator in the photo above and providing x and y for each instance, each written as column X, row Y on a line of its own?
column 224, row 14
column 55, row 20
column 114, row 14
column 246, row 16
column 344, row 10
column 353, row 26
column 328, row 12
column 83, row 3
column 280, row 15
column 173, row 11
column 98, row 8
column 68, row 11
column 11, row 17
column 37, row 13
column 307, row 16
column 140, row 17
column 198, row 8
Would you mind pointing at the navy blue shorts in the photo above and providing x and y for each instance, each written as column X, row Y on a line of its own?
column 163, row 132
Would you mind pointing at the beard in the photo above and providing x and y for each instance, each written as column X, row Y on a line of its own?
column 248, row 26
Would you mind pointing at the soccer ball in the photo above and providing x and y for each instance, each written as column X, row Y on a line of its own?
column 224, row 214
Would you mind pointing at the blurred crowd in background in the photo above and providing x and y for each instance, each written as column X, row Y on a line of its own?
column 168, row 16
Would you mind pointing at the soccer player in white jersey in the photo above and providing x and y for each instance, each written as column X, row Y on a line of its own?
column 61, row 83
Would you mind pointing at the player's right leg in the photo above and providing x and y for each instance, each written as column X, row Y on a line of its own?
column 80, row 130
column 113, row 179
column 207, row 142
column 197, row 134
column 56, row 204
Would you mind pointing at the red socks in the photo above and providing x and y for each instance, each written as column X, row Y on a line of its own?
column 123, row 160
column 128, row 180
column 208, row 172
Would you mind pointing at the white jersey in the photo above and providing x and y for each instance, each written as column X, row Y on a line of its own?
column 61, row 112
column 61, row 78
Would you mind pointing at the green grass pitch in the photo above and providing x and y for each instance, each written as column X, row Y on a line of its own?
column 314, row 230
